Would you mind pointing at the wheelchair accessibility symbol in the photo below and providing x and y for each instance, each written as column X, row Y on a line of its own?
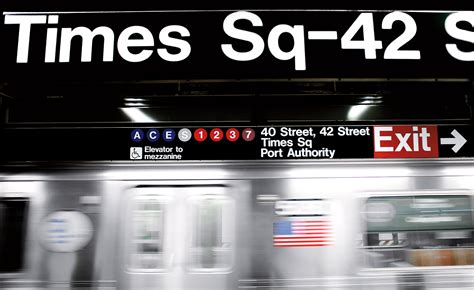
column 136, row 153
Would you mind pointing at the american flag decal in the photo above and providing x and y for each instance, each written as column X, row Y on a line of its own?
column 303, row 233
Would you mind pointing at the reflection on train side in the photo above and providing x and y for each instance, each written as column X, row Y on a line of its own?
column 419, row 230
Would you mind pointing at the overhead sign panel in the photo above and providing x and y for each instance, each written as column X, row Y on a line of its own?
column 240, row 143
column 236, row 44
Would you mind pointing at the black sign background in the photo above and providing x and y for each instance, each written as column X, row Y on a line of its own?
column 466, row 131
column 99, row 144
column 324, row 58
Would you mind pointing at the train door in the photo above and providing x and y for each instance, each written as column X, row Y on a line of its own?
column 179, row 237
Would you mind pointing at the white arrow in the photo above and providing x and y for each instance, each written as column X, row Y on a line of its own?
column 458, row 141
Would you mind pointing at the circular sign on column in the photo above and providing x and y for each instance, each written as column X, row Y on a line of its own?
column 66, row 231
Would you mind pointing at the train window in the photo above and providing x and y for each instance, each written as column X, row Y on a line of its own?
column 212, row 242
column 146, row 233
column 13, row 218
column 423, row 230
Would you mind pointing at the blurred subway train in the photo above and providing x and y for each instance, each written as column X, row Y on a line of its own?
column 240, row 225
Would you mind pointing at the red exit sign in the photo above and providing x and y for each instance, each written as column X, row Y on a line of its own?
column 420, row 141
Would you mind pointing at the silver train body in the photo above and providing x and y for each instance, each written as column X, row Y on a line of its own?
column 379, row 225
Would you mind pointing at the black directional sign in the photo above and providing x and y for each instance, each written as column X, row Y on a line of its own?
column 177, row 144
column 456, row 141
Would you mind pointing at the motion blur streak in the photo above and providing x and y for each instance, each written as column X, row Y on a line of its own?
column 239, row 225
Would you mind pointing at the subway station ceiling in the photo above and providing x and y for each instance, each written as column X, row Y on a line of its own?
column 236, row 101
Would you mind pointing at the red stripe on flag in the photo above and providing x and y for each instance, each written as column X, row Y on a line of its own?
column 303, row 245
column 303, row 236
column 302, row 240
